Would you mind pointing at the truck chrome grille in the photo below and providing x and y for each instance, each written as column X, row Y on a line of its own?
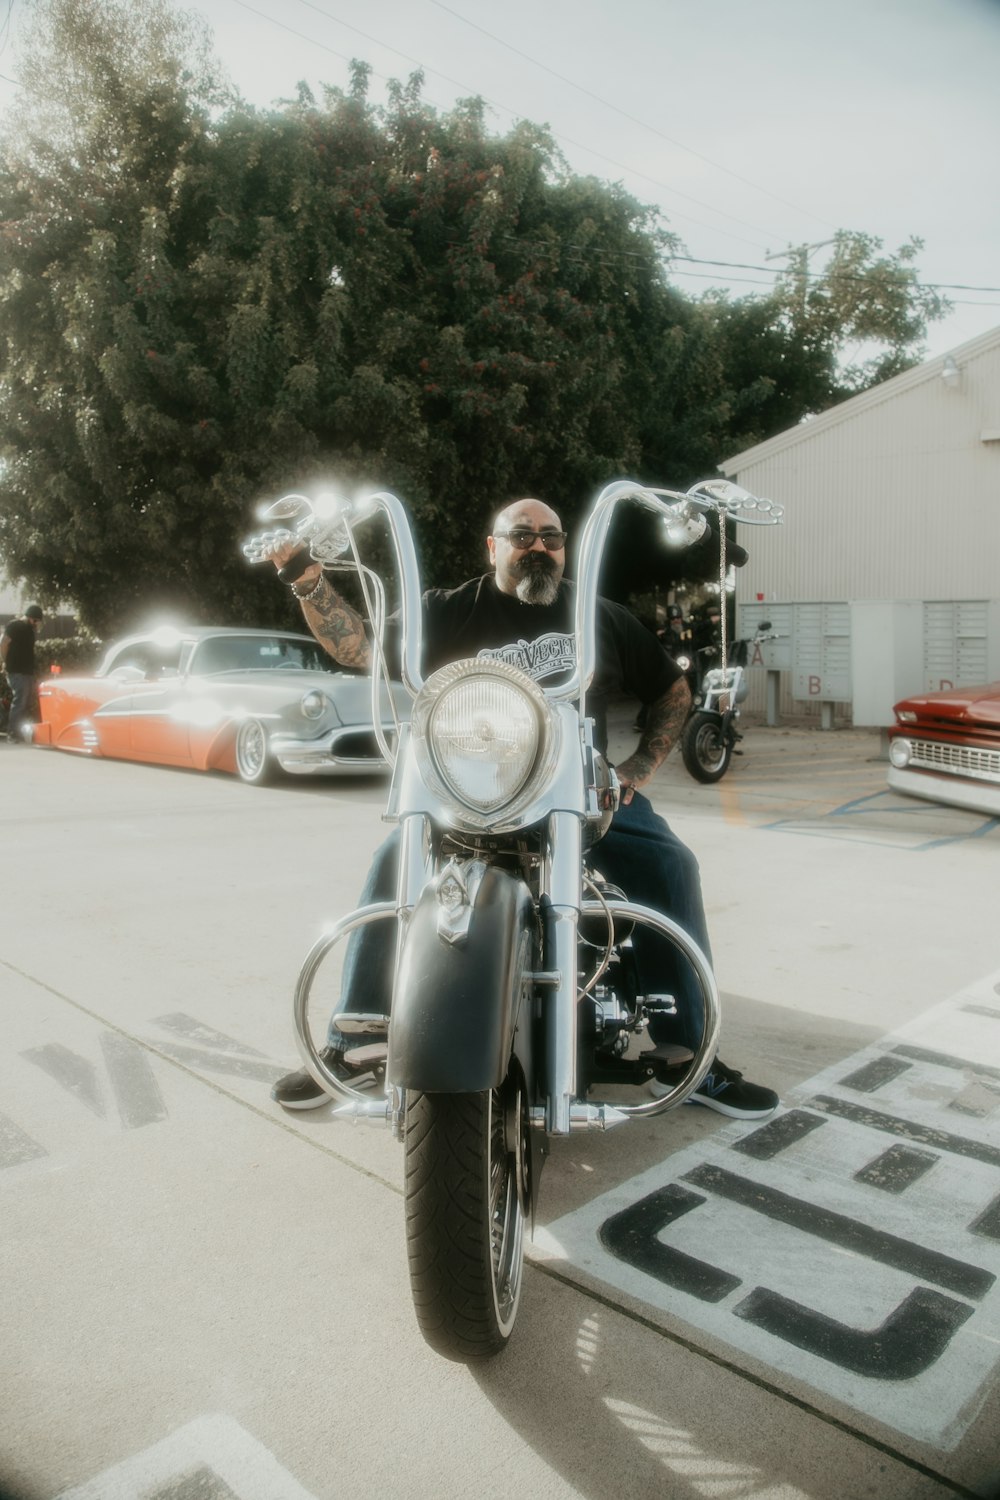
column 958, row 760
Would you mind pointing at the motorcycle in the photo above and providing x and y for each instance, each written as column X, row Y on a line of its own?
column 516, row 997
column 711, row 734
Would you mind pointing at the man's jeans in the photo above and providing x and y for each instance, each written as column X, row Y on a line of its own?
column 23, row 702
column 640, row 854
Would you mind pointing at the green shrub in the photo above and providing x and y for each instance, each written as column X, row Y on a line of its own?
column 70, row 653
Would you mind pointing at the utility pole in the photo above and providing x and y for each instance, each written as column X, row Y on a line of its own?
column 798, row 258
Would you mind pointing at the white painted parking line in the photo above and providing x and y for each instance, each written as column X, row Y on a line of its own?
column 851, row 1242
column 212, row 1458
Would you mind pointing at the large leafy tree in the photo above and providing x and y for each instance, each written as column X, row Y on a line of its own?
column 202, row 305
column 112, row 118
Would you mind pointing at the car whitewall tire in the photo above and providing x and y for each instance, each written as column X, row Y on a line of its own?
column 253, row 756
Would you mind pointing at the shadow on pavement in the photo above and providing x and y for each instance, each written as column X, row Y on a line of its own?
column 625, row 1410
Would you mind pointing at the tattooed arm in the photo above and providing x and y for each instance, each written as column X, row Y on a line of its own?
column 338, row 628
column 664, row 721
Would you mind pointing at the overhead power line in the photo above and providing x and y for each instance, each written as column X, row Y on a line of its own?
column 644, row 124
column 565, row 140
column 927, row 286
column 603, row 252
column 5, row 27
column 666, row 187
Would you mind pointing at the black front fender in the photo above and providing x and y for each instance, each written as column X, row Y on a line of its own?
column 456, row 1010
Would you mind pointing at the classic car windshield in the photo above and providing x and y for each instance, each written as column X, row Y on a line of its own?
column 259, row 653
column 152, row 658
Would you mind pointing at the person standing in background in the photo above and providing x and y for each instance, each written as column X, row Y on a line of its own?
column 17, row 650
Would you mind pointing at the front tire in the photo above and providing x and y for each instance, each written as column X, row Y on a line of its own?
column 466, row 1189
column 253, row 755
column 705, row 749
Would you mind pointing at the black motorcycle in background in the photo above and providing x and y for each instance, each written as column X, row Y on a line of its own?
column 715, row 669
column 711, row 733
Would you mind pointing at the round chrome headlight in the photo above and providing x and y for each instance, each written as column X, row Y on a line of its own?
column 313, row 704
column 483, row 734
column 900, row 751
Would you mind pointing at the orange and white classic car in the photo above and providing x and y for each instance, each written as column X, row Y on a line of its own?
column 250, row 702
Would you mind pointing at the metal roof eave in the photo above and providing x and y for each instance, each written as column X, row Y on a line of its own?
column 886, row 390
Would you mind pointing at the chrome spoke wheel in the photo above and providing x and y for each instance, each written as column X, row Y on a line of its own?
column 252, row 755
column 705, row 748
column 506, row 1205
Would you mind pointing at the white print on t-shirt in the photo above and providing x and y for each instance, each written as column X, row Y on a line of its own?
column 545, row 657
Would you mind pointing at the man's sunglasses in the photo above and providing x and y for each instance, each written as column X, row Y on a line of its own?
column 552, row 541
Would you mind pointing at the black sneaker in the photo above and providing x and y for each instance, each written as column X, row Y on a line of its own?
column 299, row 1090
column 727, row 1091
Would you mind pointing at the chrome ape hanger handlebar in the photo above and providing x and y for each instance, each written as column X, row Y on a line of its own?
column 734, row 502
column 323, row 528
column 316, row 529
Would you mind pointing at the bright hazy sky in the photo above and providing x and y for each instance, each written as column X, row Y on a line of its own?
column 752, row 123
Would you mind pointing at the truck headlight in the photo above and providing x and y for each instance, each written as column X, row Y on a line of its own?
column 900, row 752
column 483, row 733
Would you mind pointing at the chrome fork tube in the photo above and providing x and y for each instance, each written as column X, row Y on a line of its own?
column 562, row 912
column 411, row 877
column 410, row 881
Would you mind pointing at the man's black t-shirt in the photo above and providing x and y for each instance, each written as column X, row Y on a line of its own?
column 478, row 620
column 21, row 654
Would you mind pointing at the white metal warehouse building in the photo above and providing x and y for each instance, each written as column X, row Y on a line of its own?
column 884, row 579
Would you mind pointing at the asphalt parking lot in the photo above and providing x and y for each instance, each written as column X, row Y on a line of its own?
column 206, row 1298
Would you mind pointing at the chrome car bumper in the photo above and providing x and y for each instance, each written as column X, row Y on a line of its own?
column 339, row 752
column 933, row 786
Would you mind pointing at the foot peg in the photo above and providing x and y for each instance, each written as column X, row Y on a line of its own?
column 667, row 1058
column 370, row 1057
column 361, row 1023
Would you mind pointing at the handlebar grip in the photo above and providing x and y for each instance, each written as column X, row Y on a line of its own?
column 295, row 566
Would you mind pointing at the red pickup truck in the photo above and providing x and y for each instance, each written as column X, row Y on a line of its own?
column 946, row 747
